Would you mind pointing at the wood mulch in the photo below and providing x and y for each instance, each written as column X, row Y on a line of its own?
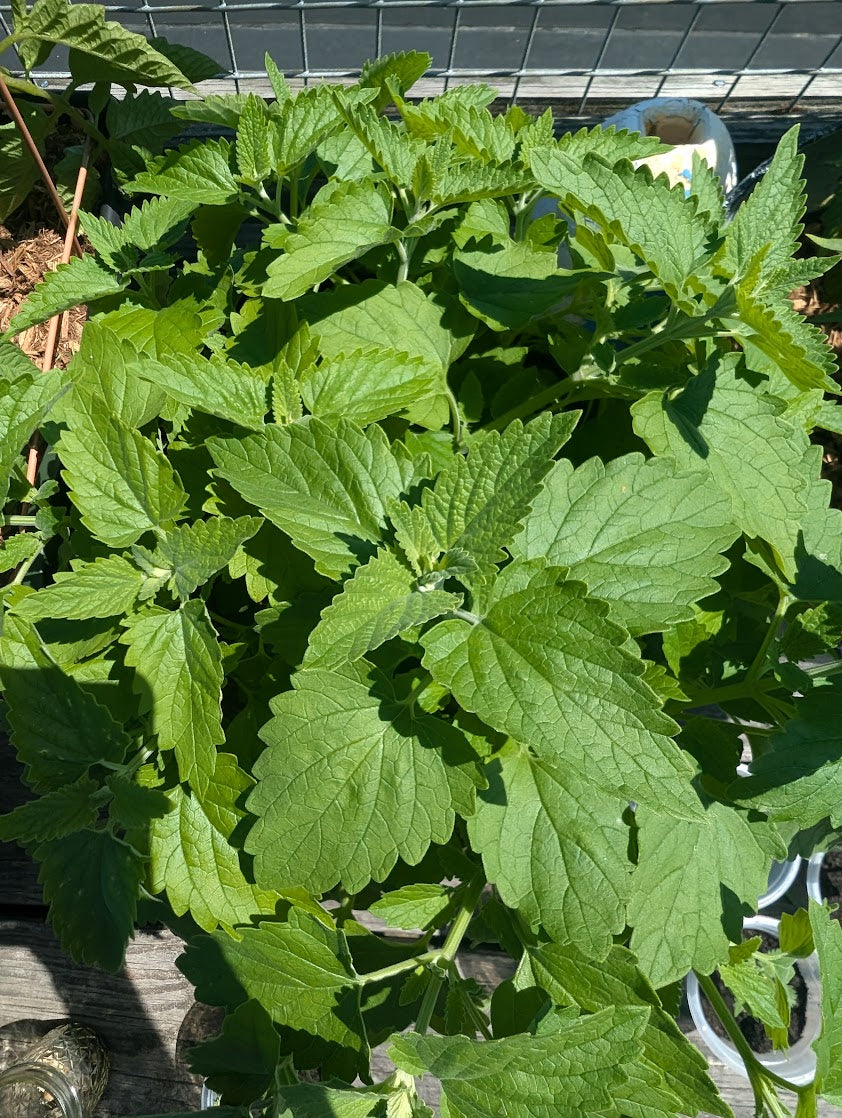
column 30, row 246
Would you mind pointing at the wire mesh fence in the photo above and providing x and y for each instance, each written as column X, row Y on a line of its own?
column 760, row 60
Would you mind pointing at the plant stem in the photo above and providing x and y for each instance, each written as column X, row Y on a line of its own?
column 455, row 417
column 447, row 955
column 555, row 394
column 24, row 569
column 753, row 1065
column 403, row 256
column 402, row 967
column 740, row 690
column 821, row 671
column 758, row 666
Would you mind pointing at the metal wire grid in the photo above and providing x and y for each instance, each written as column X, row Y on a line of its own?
column 585, row 88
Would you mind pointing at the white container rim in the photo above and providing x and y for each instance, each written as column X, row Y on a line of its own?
column 798, row 1063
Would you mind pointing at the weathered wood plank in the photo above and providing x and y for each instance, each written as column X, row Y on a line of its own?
column 146, row 1014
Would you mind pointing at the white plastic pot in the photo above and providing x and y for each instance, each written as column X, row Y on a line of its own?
column 209, row 1098
column 798, row 1063
column 782, row 874
column 814, row 876
column 690, row 128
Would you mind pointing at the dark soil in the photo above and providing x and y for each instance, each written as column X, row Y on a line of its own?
column 750, row 1027
column 830, row 880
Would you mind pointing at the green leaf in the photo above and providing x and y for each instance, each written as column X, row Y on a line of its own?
column 683, row 869
column 198, row 172
column 58, row 729
column 368, row 384
column 240, row 1063
column 215, row 385
column 195, row 552
column 53, row 815
column 17, row 549
column 314, row 1100
column 345, row 220
column 571, row 978
column 82, row 280
column 768, row 221
column 254, row 158
column 758, row 982
column 544, row 664
column 827, row 934
column 304, row 121
column 575, row 1069
column 91, row 882
column 346, row 744
column 415, row 906
column 380, row 600
column 776, row 339
column 400, row 71
column 154, row 225
column 24, row 400
column 479, row 502
column 646, row 536
column 327, row 487
column 178, row 675
column 129, row 57
column 122, row 485
column 196, row 66
column 739, row 436
column 508, row 286
column 104, row 588
column 555, row 847
column 377, row 315
column 654, row 220
column 299, row 972
column 799, row 778
column 18, row 170
column 192, row 858
column 102, row 369
column 223, row 110
column 389, row 144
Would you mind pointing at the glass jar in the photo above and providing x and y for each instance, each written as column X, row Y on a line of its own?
column 63, row 1075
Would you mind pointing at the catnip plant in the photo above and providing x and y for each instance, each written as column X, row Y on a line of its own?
column 379, row 564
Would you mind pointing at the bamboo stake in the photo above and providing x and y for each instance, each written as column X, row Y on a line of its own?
column 26, row 135
column 53, row 328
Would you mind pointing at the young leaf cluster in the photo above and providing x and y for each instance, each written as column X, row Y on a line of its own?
column 383, row 563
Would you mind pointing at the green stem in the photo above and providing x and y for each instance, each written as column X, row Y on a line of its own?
column 403, row 267
column 741, row 690
column 447, row 955
column 220, row 620
column 555, row 394
column 758, row 666
column 455, row 417
column 402, row 967
column 25, row 567
column 753, row 1066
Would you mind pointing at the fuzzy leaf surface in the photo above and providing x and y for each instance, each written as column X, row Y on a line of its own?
column 192, row 858
column 199, row 173
column 195, row 552
column 677, row 908
column 121, row 483
column 299, row 972
column 345, row 747
column 214, row 385
column 377, row 603
column 739, row 436
column 345, row 220
column 368, row 384
column 53, row 815
column 576, row 1069
column 91, row 882
column 326, row 486
column 178, row 664
column 104, row 588
column 545, row 665
column 82, row 280
column 556, row 848
column 646, row 536
column 570, row 977
column 479, row 501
